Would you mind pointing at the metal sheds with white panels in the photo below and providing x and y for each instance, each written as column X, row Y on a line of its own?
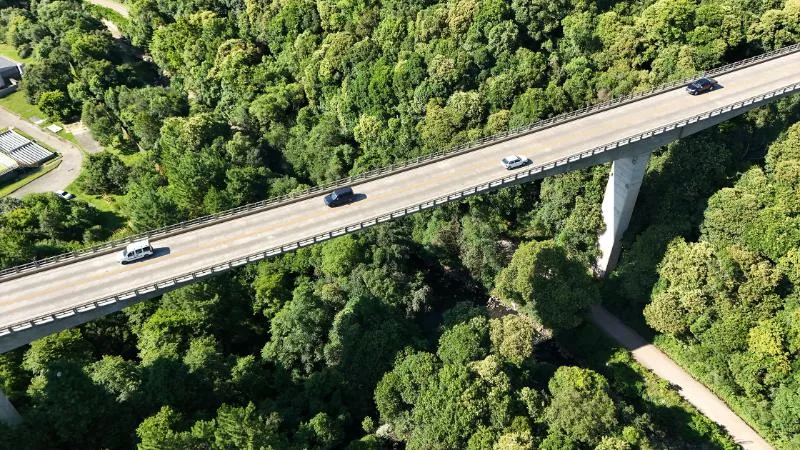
column 23, row 150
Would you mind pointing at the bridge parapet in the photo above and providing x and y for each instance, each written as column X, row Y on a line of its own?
column 276, row 202
column 20, row 333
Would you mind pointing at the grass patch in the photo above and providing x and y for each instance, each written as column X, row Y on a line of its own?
column 107, row 206
column 107, row 203
column 130, row 159
column 633, row 384
column 71, row 138
column 17, row 103
column 30, row 176
column 10, row 52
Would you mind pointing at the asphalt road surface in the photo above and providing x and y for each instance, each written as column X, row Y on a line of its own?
column 63, row 287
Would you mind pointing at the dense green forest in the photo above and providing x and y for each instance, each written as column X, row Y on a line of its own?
column 384, row 339
column 727, row 300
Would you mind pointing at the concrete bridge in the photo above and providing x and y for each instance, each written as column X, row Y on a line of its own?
column 48, row 296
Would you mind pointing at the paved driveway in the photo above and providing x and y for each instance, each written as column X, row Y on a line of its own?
column 84, row 137
column 61, row 176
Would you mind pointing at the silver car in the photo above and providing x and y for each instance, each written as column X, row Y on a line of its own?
column 514, row 161
column 64, row 194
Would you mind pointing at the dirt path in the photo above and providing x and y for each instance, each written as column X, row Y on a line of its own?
column 59, row 177
column 690, row 389
column 112, row 28
column 111, row 4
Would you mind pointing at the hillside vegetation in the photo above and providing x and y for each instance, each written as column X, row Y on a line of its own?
column 729, row 301
column 382, row 340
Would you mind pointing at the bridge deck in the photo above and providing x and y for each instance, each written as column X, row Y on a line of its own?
column 63, row 287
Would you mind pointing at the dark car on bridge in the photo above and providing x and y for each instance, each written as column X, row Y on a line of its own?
column 340, row 196
column 701, row 85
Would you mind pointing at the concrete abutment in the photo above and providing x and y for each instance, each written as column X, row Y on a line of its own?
column 8, row 414
column 622, row 189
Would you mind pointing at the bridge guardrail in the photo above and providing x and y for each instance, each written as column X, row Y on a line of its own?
column 515, row 178
column 252, row 208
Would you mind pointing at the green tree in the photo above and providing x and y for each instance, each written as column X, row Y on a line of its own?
column 544, row 282
column 67, row 408
column 245, row 427
column 56, row 105
column 580, row 406
column 157, row 431
column 786, row 419
column 142, row 111
column 541, row 19
column 148, row 205
column 513, row 337
column 119, row 377
column 104, row 173
column 686, row 290
column 479, row 248
column 465, row 342
column 67, row 345
column 299, row 332
column 340, row 256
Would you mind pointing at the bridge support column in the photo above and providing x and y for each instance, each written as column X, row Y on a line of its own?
column 8, row 414
column 621, row 191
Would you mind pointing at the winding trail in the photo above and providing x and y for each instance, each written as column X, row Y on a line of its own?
column 693, row 391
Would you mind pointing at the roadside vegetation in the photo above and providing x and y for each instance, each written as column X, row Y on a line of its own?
column 383, row 339
column 9, row 51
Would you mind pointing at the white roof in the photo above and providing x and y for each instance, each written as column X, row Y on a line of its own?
column 22, row 150
column 137, row 245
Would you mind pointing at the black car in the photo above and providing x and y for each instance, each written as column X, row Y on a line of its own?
column 701, row 85
column 340, row 196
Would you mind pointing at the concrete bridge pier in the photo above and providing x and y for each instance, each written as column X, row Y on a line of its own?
column 8, row 414
column 622, row 189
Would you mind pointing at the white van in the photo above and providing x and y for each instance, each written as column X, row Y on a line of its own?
column 135, row 250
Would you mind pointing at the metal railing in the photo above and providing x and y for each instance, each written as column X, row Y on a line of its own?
column 109, row 246
column 517, row 177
